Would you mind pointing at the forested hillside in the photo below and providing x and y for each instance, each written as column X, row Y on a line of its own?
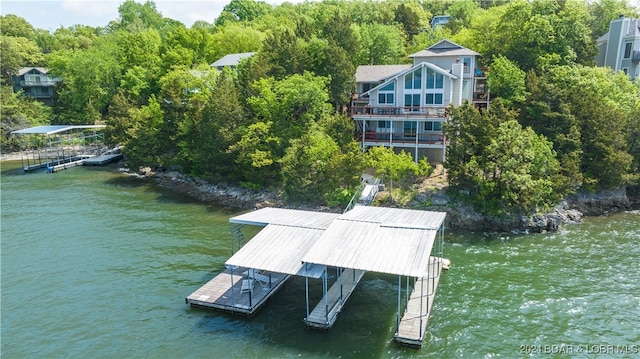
column 557, row 123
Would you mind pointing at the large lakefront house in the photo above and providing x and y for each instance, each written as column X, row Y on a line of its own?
column 619, row 48
column 404, row 106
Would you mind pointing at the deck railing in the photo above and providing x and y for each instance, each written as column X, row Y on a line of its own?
column 423, row 112
column 432, row 138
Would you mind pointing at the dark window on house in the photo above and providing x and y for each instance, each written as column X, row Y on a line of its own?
column 627, row 50
column 433, row 126
column 433, row 99
column 385, row 98
column 384, row 124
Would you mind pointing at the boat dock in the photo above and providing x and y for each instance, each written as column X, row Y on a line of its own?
column 324, row 315
column 60, row 147
column 413, row 325
column 403, row 242
column 231, row 291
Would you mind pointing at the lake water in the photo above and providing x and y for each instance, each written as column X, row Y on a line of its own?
column 96, row 264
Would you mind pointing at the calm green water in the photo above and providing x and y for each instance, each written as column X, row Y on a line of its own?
column 96, row 264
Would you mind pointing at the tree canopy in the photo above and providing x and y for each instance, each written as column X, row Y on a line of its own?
column 277, row 119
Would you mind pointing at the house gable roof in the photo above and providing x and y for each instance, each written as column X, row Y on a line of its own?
column 25, row 70
column 445, row 48
column 231, row 59
column 435, row 68
column 377, row 73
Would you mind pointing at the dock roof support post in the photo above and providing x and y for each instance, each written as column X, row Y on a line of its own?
column 398, row 314
column 325, row 284
column 233, row 294
column 340, row 274
column 421, row 299
column 306, row 284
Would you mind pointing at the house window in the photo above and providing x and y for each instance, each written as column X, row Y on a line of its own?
column 385, row 98
column 410, row 128
column 412, row 101
column 384, row 124
column 433, row 98
column 433, row 126
column 627, row 50
column 435, row 80
column 385, row 95
column 413, row 80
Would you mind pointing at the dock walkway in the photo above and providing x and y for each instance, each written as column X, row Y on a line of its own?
column 324, row 315
column 234, row 292
column 413, row 325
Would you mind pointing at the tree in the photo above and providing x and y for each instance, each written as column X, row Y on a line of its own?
column 242, row 10
column 291, row 105
column 16, row 26
column 18, row 52
column 313, row 167
column 394, row 167
column 145, row 146
column 90, row 79
column 206, row 139
column 519, row 172
column 258, row 156
column 506, row 81
column 506, row 169
column 380, row 45
column 18, row 113
column 603, row 102
column 135, row 17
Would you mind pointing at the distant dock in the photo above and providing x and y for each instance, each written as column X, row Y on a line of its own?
column 56, row 148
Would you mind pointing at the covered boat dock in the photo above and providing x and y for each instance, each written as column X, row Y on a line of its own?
column 59, row 147
column 402, row 242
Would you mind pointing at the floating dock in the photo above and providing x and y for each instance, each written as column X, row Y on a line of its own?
column 64, row 146
column 232, row 292
column 324, row 315
column 413, row 325
column 403, row 242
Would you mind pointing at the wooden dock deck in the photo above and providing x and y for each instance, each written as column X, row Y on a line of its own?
column 413, row 324
column 324, row 315
column 219, row 293
column 102, row 159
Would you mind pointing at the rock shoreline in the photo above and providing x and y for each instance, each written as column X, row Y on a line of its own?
column 459, row 217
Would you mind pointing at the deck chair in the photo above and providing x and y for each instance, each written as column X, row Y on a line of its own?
column 247, row 286
column 262, row 279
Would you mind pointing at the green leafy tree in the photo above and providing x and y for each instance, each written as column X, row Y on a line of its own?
column 395, row 167
column 603, row 102
column 506, row 81
column 207, row 138
column 18, row 52
column 506, row 169
column 380, row 45
column 242, row 10
column 312, row 167
column 90, row 80
column 145, row 146
column 17, row 113
column 257, row 155
column 546, row 112
column 16, row 26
